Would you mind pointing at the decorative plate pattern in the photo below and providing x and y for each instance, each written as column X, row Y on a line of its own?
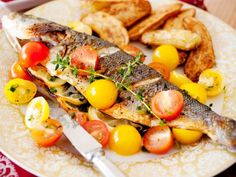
column 203, row 159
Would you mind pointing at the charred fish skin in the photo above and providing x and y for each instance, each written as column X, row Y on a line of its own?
column 195, row 115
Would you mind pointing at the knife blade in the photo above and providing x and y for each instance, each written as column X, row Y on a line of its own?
column 86, row 145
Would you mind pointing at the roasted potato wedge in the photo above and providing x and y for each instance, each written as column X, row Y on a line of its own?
column 177, row 22
column 155, row 20
column 183, row 55
column 181, row 39
column 203, row 57
column 128, row 12
column 107, row 27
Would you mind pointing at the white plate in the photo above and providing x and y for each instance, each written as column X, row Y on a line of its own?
column 204, row 159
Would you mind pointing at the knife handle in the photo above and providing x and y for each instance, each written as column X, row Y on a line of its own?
column 106, row 167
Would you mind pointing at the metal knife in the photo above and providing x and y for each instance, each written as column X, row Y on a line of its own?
column 87, row 146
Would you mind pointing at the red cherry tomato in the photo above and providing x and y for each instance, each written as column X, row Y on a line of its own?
column 158, row 140
column 81, row 118
column 167, row 104
column 98, row 130
column 48, row 136
column 33, row 53
column 132, row 50
column 85, row 58
column 17, row 71
column 161, row 68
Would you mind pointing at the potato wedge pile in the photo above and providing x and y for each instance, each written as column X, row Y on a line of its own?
column 120, row 21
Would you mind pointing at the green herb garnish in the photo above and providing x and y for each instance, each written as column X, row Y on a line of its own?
column 53, row 90
column 72, row 115
column 91, row 77
column 52, row 78
column 61, row 63
column 14, row 87
column 128, row 69
column 74, row 71
column 124, row 71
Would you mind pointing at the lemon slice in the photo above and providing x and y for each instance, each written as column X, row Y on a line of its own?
column 37, row 112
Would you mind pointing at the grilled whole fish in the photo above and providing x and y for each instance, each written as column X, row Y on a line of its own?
column 62, row 40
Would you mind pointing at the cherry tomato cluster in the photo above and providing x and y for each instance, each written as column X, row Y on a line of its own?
column 31, row 54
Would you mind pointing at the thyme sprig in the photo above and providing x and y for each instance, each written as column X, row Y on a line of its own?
column 61, row 63
column 92, row 77
column 125, row 71
column 138, row 95
column 128, row 69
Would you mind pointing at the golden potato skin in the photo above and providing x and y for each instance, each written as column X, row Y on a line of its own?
column 181, row 39
column 203, row 57
column 129, row 12
column 155, row 20
column 177, row 22
column 107, row 27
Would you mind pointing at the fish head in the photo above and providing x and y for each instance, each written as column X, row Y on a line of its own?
column 21, row 28
column 19, row 25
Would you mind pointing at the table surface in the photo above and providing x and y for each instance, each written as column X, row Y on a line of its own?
column 223, row 9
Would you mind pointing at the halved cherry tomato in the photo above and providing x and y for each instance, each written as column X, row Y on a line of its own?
column 98, row 130
column 85, row 58
column 19, row 91
column 178, row 79
column 132, row 50
column 158, row 140
column 33, row 53
column 161, row 68
column 186, row 136
column 37, row 112
column 212, row 81
column 17, row 71
column 48, row 134
column 81, row 118
column 167, row 104
column 196, row 91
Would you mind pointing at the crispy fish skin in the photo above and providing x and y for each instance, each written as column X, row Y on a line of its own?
column 182, row 39
column 129, row 12
column 203, row 57
column 108, row 27
column 155, row 20
column 195, row 115
column 177, row 22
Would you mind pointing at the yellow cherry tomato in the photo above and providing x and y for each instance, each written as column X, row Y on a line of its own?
column 102, row 94
column 212, row 81
column 80, row 27
column 186, row 136
column 178, row 79
column 37, row 112
column 167, row 55
column 125, row 140
column 196, row 91
column 19, row 91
